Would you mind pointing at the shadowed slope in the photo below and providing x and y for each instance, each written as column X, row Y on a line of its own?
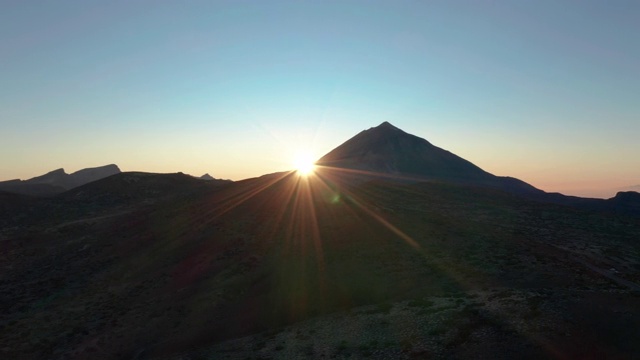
column 176, row 264
column 146, row 265
column 388, row 152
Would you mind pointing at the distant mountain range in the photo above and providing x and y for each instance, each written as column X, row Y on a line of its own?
column 384, row 152
column 208, row 177
column 58, row 181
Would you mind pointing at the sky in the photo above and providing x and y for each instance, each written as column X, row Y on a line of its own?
column 545, row 91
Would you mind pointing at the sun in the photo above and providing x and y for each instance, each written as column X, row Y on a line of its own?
column 304, row 164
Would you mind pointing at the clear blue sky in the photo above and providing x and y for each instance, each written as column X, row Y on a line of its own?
column 546, row 91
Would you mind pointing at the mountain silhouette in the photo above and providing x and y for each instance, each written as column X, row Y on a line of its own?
column 88, row 175
column 626, row 201
column 58, row 181
column 207, row 177
column 388, row 152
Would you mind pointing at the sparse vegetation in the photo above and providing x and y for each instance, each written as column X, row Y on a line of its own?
column 187, row 273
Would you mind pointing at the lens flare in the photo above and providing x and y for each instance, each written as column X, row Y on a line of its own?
column 304, row 164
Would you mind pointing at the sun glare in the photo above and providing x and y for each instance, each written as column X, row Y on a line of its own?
column 304, row 164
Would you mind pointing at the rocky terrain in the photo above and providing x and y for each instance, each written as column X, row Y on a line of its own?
column 140, row 265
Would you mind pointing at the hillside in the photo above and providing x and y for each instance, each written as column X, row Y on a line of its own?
column 184, row 265
column 390, row 153
column 140, row 265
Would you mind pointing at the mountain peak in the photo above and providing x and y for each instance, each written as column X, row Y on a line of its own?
column 88, row 175
column 50, row 177
column 387, row 124
column 58, row 180
column 388, row 152
column 56, row 171
column 386, row 149
column 387, row 127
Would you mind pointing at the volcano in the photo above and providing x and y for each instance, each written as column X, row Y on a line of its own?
column 388, row 152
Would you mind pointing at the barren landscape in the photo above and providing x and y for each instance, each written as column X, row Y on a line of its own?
column 140, row 265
